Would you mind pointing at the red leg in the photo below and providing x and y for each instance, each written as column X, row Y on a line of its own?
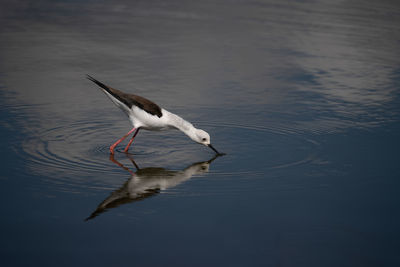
column 120, row 140
column 130, row 142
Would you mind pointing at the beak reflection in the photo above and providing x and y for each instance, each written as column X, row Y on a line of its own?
column 216, row 151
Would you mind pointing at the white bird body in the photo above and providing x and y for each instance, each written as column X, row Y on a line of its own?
column 145, row 114
column 142, row 119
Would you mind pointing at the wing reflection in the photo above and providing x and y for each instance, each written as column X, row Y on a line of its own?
column 147, row 182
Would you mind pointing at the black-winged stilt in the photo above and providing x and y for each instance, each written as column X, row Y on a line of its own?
column 145, row 114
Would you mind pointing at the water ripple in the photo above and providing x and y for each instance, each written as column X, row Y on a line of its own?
column 74, row 157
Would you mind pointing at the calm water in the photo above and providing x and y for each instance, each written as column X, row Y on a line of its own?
column 303, row 96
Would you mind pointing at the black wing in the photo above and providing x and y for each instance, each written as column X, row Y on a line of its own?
column 131, row 100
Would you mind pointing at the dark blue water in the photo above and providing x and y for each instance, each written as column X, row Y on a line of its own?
column 303, row 96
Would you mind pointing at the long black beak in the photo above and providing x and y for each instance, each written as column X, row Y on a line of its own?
column 216, row 151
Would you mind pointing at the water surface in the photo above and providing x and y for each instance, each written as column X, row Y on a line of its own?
column 302, row 96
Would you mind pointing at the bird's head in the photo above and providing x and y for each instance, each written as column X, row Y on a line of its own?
column 202, row 137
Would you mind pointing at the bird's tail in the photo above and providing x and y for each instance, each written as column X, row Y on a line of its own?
column 117, row 97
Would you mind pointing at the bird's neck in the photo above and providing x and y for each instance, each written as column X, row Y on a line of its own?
column 182, row 125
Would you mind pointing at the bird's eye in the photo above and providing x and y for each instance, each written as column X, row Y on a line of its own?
column 204, row 139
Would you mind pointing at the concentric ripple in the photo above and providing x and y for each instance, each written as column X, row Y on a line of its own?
column 258, row 159
column 274, row 146
column 64, row 154
column 75, row 157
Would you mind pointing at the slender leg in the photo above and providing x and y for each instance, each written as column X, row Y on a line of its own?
column 130, row 142
column 120, row 140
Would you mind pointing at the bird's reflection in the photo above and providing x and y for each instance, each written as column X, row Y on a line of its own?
column 147, row 182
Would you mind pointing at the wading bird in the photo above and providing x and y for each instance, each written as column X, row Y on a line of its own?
column 145, row 114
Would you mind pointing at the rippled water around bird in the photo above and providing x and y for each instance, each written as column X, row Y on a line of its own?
column 303, row 97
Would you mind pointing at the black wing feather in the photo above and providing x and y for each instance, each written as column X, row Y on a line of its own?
column 130, row 100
